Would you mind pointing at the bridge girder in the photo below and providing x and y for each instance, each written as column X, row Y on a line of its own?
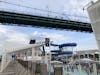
column 39, row 21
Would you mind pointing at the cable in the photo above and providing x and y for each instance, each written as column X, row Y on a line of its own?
column 61, row 15
column 41, row 9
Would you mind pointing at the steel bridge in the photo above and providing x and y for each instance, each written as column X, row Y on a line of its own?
column 46, row 22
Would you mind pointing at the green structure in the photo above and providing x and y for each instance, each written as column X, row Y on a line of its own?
column 40, row 21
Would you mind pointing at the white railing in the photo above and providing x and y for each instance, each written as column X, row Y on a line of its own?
column 80, row 69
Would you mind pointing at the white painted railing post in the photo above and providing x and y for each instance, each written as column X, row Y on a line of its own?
column 5, row 61
column 94, row 69
column 80, row 69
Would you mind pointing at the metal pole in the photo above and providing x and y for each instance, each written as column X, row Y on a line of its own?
column 79, row 67
column 80, row 70
column 49, row 64
column 95, row 69
column 72, row 59
column 43, row 51
column 99, row 56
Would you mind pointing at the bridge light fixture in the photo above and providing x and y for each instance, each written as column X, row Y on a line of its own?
column 32, row 41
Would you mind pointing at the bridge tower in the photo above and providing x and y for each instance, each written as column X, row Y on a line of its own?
column 94, row 13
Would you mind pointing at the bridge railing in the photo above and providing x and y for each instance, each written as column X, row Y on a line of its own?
column 44, row 13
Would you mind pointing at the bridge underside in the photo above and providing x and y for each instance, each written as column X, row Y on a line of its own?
column 38, row 21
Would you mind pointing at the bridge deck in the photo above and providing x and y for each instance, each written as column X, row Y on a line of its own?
column 39, row 21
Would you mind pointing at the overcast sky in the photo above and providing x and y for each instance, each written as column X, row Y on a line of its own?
column 17, row 37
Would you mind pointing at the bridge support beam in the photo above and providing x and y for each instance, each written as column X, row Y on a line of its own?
column 40, row 21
